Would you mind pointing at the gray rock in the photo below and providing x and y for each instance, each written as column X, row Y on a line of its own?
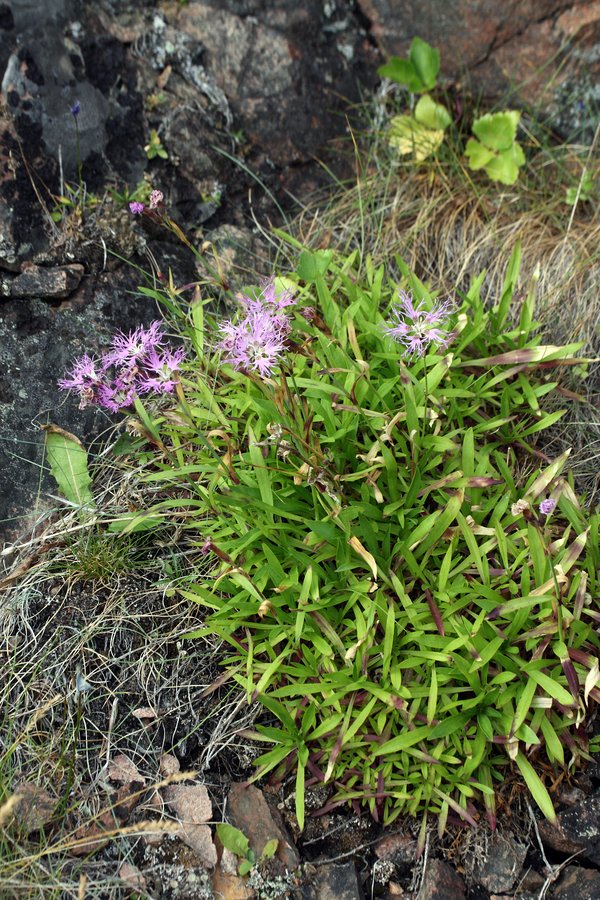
column 578, row 884
column 41, row 87
column 577, row 829
column 51, row 284
column 500, row 870
column 337, row 881
column 441, row 882
column 32, row 13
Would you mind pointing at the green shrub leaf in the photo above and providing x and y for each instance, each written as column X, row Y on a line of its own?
column 425, row 60
column 233, row 839
column 431, row 114
column 497, row 131
column 68, row 462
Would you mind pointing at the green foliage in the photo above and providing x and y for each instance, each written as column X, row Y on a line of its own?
column 154, row 146
column 496, row 151
column 236, row 841
column 494, row 148
column 422, row 133
column 67, row 458
column 418, row 72
column 583, row 192
column 413, row 627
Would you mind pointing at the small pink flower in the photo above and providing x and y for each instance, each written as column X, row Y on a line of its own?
column 156, row 198
column 136, row 207
column 126, row 348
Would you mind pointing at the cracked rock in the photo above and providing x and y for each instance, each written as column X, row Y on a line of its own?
column 50, row 284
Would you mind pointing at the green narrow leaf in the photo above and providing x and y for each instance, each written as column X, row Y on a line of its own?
column 554, row 748
column 551, row 687
column 536, row 787
column 524, row 704
column 302, row 760
column 509, row 287
column 433, row 696
column 388, row 638
column 69, row 464
column 263, row 477
column 313, row 264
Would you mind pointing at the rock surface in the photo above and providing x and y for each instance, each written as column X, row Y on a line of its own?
column 441, row 882
column 248, row 810
column 578, row 884
column 501, row 868
column 577, row 830
column 494, row 46
column 337, row 881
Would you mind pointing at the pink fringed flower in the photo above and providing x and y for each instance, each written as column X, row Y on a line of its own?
column 136, row 364
column 416, row 327
column 258, row 340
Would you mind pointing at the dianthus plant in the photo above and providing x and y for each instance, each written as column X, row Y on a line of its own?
column 136, row 364
column 408, row 587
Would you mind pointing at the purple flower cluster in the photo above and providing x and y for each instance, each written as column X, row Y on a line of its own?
column 155, row 200
column 258, row 340
column 137, row 363
column 416, row 327
column 547, row 506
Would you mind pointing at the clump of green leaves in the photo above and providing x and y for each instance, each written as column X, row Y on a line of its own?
column 583, row 192
column 418, row 72
column 155, row 147
column 412, row 624
column 236, row 841
column 495, row 148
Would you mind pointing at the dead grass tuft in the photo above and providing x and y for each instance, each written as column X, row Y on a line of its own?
column 96, row 666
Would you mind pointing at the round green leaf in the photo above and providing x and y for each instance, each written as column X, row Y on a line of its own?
column 478, row 155
column 426, row 62
column 431, row 114
column 497, row 130
column 403, row 72
column 505, row 166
